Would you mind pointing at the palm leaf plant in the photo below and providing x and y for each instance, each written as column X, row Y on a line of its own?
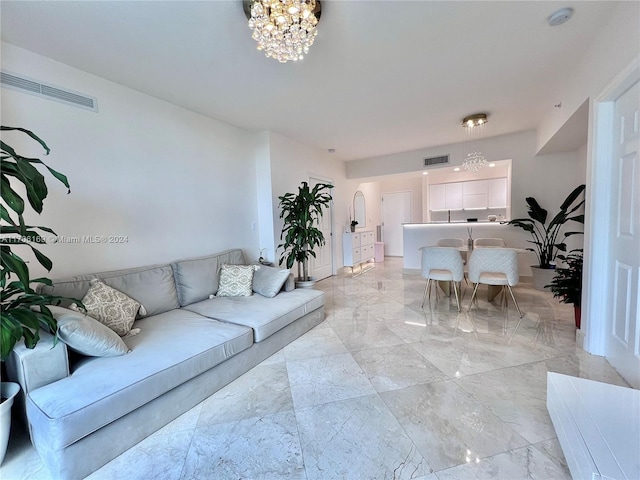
column 23, row 311
column 301, row 214
column 549, row 238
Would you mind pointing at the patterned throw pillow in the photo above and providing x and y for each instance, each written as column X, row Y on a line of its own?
column 110, row 307
column 236, row 281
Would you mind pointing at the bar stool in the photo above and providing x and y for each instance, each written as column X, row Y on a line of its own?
column 488, row 242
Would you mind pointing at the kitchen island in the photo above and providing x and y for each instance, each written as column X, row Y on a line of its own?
column 416, row 235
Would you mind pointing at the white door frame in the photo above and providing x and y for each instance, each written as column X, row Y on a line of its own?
column 332, row 240
column 597, row 286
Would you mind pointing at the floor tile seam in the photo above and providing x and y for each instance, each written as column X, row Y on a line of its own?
column 306, row 407
column 188, row 450
column 304, row 464
column 447, row 377
column 247, row 417
column 424, row 456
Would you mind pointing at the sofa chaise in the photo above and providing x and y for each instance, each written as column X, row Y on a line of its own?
column 83, row 411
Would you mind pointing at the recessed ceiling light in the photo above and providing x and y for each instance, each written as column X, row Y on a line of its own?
column 331, row 150
column 457, row 169
column 425, row 173
column 560, row 16
column 492, row 164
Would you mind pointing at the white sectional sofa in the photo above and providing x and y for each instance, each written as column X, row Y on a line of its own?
column 84, row 411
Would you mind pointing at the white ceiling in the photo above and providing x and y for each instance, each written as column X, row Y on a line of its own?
column 382, row 76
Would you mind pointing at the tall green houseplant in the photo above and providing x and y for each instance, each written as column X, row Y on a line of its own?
column 23, row 310
column 301, row 214
column 549, row 238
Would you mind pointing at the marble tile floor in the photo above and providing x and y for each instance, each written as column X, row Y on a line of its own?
column 382, row 389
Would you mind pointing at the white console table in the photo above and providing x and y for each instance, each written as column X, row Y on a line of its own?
column 357, row 248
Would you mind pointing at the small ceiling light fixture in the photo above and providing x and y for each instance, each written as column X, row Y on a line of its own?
column 425, row 173
column 457, row 169
column 492, row 165
column 560, row 16
column 331, row 150
column 284, row 29
column 475, row 120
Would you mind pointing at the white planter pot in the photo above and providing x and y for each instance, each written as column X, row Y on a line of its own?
column 542, row 277
column 9, row 391
column 306, row 284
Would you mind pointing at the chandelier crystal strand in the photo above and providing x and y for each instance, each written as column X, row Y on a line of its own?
column 474, row 162
column 284, row 29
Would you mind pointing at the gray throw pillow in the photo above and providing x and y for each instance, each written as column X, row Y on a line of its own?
column 268, row 281
column 89, row 337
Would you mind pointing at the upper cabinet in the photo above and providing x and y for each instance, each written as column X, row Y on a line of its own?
column 453, row 194
column 437, row 197
column 476, row 194
column 497, row 197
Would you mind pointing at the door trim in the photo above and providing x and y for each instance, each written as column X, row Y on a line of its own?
column 597, row 287
column 332, row 242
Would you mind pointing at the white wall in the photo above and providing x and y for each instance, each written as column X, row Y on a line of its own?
column 613, row 49
column 293, row 163
column 548, row 178
column 176, row 183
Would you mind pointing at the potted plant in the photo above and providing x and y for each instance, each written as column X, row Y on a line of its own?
column 353, row 225
column 301, row 214
column 24, row 311
column 549, row 238
column 567, row 282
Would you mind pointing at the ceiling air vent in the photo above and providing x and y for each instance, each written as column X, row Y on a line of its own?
column 33, row 87
column 441, row 160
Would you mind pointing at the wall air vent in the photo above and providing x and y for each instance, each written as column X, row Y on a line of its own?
column 441, row 160
column 39, row 89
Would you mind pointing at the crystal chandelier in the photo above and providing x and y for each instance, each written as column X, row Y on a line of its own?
column 284, row 29
column 474, row 162
column 474, row 124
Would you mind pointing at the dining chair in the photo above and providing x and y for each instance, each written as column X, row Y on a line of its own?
column 488, row 242
column 441, row 264
column 451, row 242
column 455, row 243
column 495, row 266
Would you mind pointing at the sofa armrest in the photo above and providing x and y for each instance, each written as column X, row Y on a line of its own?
column 38, row 366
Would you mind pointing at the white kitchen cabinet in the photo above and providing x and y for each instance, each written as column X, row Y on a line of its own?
column 453, row 196
column 475, row 187
column 497, row 195
column 474, row 201
column 357, row 248
column 437, row 197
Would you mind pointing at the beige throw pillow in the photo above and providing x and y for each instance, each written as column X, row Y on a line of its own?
column 110, row 307
column 236, row 281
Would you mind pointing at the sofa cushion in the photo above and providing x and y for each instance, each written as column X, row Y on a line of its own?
column 171, row 348
column 264, row 315
column 153, row 287
column 110, row 307
column 268, row 281
column 89, row 337
column 236, row 280
column 198, row 278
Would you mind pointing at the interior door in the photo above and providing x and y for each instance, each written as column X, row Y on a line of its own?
column 623, row 332
column 322, row 266
column 396, row 210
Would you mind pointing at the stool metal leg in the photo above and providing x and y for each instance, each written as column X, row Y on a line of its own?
column 473, row 295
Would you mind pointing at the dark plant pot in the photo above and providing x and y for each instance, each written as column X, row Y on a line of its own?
column 577, row 315
column 353, row 228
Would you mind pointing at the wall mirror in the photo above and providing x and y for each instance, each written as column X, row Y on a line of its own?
column 359, row 209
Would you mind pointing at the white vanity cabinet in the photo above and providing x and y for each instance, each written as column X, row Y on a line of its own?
column 357, row 248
